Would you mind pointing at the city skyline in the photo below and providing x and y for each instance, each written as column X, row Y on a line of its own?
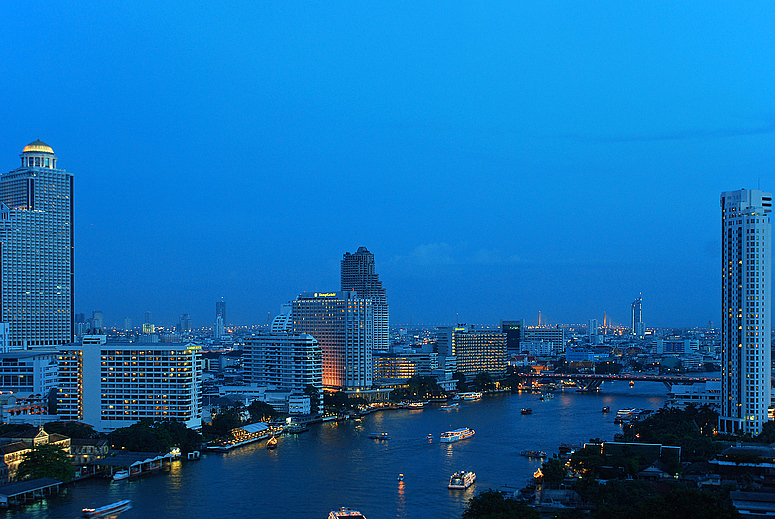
column 510, row 158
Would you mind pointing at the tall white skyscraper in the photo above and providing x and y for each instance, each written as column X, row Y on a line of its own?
column 745, row 337
column 36, row 250
column 358, row 274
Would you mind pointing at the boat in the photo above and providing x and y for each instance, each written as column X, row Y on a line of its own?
column 456, row 435
column 107, row 510
column 461, row 480
column 527, row 410
column 120, row 474
column 533, row 454
column 430, row 437
column 379, row 436
column 271, row 443
column 349, row 513
column 624, row 415
column 400, row 477
column 606, row 409
column 416, row 404
column 295, row 428
column 450, row 406
column 472, row 395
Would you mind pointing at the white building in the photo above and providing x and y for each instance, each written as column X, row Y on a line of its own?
column 285, row 361
column 699, row 394
column 28, row 372
column 358, row 273
column 554, row 336
column 113, row 385
column 36, row 257
column 746, row 308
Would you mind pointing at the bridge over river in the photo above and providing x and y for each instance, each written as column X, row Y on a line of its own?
column 592, row 381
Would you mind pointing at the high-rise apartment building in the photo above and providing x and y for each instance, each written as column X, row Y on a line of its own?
column 343, row 324
column 184, row 324
column 113, row 385
column 513, row 331
column 746, row 307
column 220, row 310
column 358, row 274
column 36, row 250
column 286, row 361
column 637, row 318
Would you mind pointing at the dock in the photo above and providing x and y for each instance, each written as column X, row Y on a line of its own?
column 27, row 491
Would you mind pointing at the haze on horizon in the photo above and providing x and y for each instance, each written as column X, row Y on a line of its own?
column 498, row 158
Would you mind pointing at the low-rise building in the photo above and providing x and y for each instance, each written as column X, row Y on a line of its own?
column 14, row 446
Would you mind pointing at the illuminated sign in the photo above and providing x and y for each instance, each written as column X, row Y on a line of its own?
column 325, row 294
column 194, row 348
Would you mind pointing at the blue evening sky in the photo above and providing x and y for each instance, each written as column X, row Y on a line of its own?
column 498, row 158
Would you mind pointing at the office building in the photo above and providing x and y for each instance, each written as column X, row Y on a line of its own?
column 284, row 361
column 28, row 372
column 746, row 307
column 342, row 323
column 220, row 310
column 113, row 385
column 513, row 331
column 358, row 274
column 127, row 324
column 480, row 351
column 636, row 321
column 554, row 336
column 36, row 256
column 184, row 324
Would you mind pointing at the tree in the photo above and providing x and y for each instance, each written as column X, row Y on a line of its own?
column 261, row 411
column 553, row 470
column 45, row 461
column 461, row 381
column 314, row 398
column 160, row 436
column 483, row 381
column 492, row 504
column 75, row 430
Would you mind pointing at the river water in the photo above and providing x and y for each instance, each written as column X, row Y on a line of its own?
column 336, row 464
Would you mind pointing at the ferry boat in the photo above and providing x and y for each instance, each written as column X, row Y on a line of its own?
column 379, row 436
column 624, row 415
column 347, row 513
column 533, row 454
column 461, row 480
column 271, row 443
column 295, row 428
column 456, row 435
column 108, row 510
column 120, row 474
column 526, row 410
column 450, row 406
column 416, row 404
column 606, row 409
column 470, row 395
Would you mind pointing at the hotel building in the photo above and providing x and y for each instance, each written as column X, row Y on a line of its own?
column 36, row 251
column 113, row 385
column 746, row 307
column 342, row 323
column 479, row 351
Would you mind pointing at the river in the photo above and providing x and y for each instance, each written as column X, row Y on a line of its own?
column 336, row 464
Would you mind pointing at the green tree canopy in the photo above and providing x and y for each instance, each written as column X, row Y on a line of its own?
column 76, row 430
column 45, row 461
column 261, row 411
column 492, row 504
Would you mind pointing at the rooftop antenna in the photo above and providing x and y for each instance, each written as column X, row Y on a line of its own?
column 539, row 318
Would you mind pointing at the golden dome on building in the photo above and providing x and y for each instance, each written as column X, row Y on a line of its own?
column 38, row 147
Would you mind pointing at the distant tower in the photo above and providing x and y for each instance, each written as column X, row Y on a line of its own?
column 97, row 320
column 746, row 308
column 592, row 331
column 220, row 310
column 127, row 324
column 184, row 326
column 147, row 318
column 358, row 274
column 36, row 256
column 637, row 318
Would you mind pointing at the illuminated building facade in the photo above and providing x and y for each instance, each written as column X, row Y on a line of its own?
column 358, row 274
column 513, row 331
column 746, row 307
column 397, row 368
column 36, row 250
column 113, row 385
column 343, row 324
column 554, row 336
column 637, row 318
column 480, row 351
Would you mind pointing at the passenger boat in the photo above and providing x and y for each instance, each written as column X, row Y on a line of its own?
column 416, row 404
column 271, row 443
column 450, row 406
column 461, row 480
column 527, row 410
column 470, row 395
column 120, row 474
column 456, row 435
column 348, row 513
column 533, row 454
column 606, row 409
column 111, row 509
column 295, row 428
column 379, row 436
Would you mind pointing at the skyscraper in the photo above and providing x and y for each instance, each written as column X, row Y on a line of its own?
column 637, row 318
column 36, row 250
column 220, row 310
column 358, row 274
column 342, row 323
column 746, row 307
